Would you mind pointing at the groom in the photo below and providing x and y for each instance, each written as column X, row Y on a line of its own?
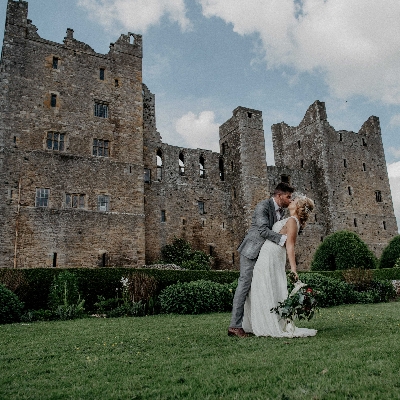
column 267, row 212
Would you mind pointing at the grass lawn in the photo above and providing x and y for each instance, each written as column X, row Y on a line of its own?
column 355, row 355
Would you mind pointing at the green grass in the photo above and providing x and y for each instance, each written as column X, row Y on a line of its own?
column 355, row 355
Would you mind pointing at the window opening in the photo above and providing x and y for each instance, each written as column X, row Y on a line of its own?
column 344, row 162
column 350, row 190
column 55, row 141
column 364, row 167
column 234, row 193
column 233, row 258
column 301, row 163
column 249, row 114
column 15, row 139
column 104, row 260
column 223, row 148
column 299, row 144
column 364, row 143
column 54, row 260
column 147, row 175
column 101, row 148
column 315, row 218
column 378, row 196
column 384, row 225
column 100, row 110
column 181, row 164
column 102, row 74
column 340, row 137
column 53, row 102
column 103, row 203
column 42, row 197
column 285, row 178
column 55, row 62
column 183, row 221
column 202, row 169
column 201, row 207
column 116, row 83
column 355, row 222
column 211, row 251
column 131, row 39
column 311, row 186
column 221, row 170
column 159, row 165
column 74, row 200
column 163, row 217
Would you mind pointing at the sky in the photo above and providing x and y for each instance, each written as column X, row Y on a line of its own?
column 204, row 58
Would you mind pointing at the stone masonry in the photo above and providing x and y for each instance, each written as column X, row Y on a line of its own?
column 85, row 179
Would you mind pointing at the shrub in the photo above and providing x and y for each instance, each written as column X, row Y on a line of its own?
column 390, row 254
column 342, row 250
column 181, row 253
column 10, row 306
column 64, row 289
column 39, row 315
column 196, row 297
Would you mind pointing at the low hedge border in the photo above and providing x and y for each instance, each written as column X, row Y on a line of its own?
column 378, row 274
column 32, row 285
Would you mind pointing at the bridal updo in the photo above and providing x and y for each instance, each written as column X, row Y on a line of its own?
column 305, row 206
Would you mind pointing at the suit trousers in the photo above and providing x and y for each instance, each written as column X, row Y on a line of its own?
column 244, row 283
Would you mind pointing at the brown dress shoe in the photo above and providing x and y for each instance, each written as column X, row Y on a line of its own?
column 239, row 332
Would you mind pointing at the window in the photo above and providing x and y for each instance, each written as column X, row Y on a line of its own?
column 53, row 102
column 202, row 169
column 211, row 250
column 378, row 196
column 102, row 74
column 364, row 143
column 285, row 178
column 55, row 62
column 299, row 144
column 364, row 167
column 103, row 202
column 116, row 83
column 340, row 137
column 315, row 218
column 301, row 163
column 349, row 188
column 234, row 193
column 311, row 186
column 54, row 260
column 384, row 225
column 159, row 165
column 232, row 167
column 344, row 162
column 221, row 170
column 101, row 110
column 355, row 222
column 42, row 197
column 147, row 175
column 181, row 164
column 74, row 200
column 201, row 207
column 233, row 258
column 223, row 148
column 55, row 141
column 163, row 216
column 249, row 114
column 101, row 148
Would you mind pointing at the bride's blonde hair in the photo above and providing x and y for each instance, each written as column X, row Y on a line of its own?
column 305, row 206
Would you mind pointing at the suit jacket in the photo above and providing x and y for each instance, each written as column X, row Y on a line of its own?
column 264, row 218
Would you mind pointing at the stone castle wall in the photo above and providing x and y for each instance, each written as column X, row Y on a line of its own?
column 140, row 193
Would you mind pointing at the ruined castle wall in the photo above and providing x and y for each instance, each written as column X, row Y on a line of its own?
column 68, row 89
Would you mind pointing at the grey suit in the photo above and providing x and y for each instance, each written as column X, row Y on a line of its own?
column 264, row 218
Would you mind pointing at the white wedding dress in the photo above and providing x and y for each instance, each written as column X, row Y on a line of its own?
column 268, row 287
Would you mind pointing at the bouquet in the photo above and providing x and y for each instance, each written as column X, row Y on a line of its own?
column 300, row 304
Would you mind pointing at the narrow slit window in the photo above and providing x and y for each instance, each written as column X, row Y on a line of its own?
column 378, row 196
column 340, row 137
column 102, row 74
column 384, row 225
column 104, row 260
column 211, row 250
column 163, row 216
column 54, row 260
column 201, row 166
column 364, row 167
column 364, row 143
column 181, row 162
column 55, row 62
column 355, row 222
column 159, row 157
column 301, row 163
column 116, row 83
column 53, row 101
column 221, row 170
column 299, row 144
column 344, row 162
column 349, row 188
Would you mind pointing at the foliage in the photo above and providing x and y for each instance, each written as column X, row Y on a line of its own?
column 343, row 250
column 10, row 306
column 390, row 254
column 397, row 264
column 196, row 297
column 300, row 304
column 63, row 290
column 181, row 253
column 39, row 315
column 94, row 282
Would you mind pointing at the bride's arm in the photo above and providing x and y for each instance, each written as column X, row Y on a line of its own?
column 291, row 226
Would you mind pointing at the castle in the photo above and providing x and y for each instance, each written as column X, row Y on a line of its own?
column 85, row 179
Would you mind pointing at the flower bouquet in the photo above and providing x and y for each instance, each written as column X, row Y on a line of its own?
column 300, row 304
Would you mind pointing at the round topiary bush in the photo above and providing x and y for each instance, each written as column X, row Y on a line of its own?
column 10, row 306
column 390, row 254
column 343, row 250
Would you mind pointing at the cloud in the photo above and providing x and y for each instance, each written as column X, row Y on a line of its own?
column 354, row 44
column 395, row 120
column 199, row 131
column 135, row 15
column 394, row 151
column 394, row 180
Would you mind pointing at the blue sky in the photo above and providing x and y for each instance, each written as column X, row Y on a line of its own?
column 203, row 58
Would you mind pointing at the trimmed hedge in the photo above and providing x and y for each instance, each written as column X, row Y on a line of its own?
column 343, row 250
column 10, row 306
column 391, row 253
column 35, row 283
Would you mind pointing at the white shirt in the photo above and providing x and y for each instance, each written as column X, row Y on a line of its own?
column 278, row 218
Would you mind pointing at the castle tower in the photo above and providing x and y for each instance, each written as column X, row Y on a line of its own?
column 351, row 184
column 71, row 137
column 244, row 165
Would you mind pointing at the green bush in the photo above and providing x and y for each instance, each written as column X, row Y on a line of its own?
column 390, row 254
column 343, row 250
column 63, row 290
column 10, row 306
column 39, row 315
column 196, row 297
column 180, row 252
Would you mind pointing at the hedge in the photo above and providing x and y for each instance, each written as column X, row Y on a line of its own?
column 390, row 253
column 32, row 285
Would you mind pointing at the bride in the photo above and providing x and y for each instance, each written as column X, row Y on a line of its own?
column 269, row 284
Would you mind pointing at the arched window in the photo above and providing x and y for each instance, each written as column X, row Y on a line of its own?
column 201, row 166
column 159, row 165
column 181, row 164
column 221, row 169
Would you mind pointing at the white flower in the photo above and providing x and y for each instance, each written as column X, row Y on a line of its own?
column 297, row 286
column 124, row 282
